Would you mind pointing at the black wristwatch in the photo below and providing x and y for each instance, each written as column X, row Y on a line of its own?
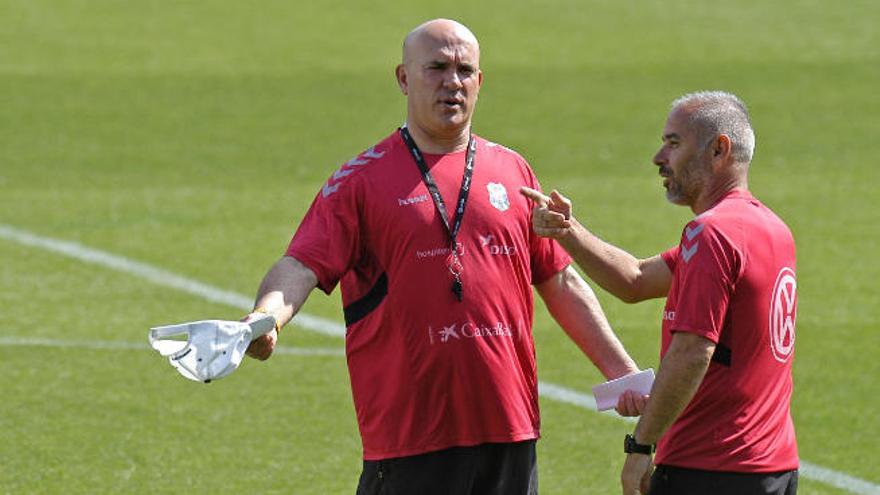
column 630, row 446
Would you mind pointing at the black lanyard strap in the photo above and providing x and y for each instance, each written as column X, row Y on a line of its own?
column 455, row 266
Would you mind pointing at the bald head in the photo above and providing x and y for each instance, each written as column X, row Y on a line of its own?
column 438, row 32
column 441, row 78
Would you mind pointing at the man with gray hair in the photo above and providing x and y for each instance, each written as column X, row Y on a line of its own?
column 719, row 410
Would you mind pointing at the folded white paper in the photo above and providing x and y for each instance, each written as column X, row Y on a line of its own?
column 607, row 393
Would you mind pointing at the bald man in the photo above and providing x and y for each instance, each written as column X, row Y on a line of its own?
column 436, row 260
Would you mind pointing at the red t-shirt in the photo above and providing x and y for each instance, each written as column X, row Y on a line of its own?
column 734, row 284
column 428, row 372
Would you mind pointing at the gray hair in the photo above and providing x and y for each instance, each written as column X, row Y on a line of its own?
column 719, row 112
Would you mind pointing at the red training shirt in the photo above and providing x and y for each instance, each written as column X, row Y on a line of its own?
column 428, row 372
column 734, row 284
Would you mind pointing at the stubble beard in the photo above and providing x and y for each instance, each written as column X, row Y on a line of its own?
column 684, row 187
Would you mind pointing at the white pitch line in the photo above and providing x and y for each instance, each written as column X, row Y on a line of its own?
column 158, row 276
column 330, row 327
column 807, row 469
column 838, row 479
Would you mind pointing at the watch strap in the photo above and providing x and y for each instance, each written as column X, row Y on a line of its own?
column 630, row 446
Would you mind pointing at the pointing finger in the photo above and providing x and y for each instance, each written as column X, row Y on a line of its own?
column 534, row 195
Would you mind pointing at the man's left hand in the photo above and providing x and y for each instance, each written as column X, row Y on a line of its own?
column 631, row 403
column 636, row 475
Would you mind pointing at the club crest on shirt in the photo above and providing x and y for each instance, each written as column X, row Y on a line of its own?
column 498, row 196
column 783, row 311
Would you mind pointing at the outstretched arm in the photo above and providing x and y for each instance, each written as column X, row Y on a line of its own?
column 574, row 306
column 628, row 278
column 282, row 293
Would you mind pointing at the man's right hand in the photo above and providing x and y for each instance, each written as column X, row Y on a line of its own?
column 551, row 216
column 261, row 347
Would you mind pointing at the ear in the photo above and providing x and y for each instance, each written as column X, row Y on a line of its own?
column 400, row 73
column 721, row 147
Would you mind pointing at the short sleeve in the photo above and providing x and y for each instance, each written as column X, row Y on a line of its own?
column 329, row 240
column 548, row 259
column 706, row 273
column 670, row 257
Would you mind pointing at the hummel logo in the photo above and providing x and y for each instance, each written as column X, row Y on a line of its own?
column 448, row 332
column 413, row 200
column 327, row 190
column 362, row 159
column 371, row 153
column 341, row 173
column 688, row 253
column 485, row 240
column 356, row 161
column 690, row 233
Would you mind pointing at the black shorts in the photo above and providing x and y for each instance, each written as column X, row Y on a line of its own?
column 487, row 469
column 668, row 480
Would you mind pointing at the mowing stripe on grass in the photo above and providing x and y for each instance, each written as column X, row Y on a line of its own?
column 330, row 327
column 114, row 345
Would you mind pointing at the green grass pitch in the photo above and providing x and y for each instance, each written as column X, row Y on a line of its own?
column 193, row 136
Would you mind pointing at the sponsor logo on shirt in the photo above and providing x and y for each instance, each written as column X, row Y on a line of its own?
column 783, row 311
column 488, row 243
column 413, row 200
column 498, row 196
column 440, row 251
column 448, row 332
column 468, row 330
